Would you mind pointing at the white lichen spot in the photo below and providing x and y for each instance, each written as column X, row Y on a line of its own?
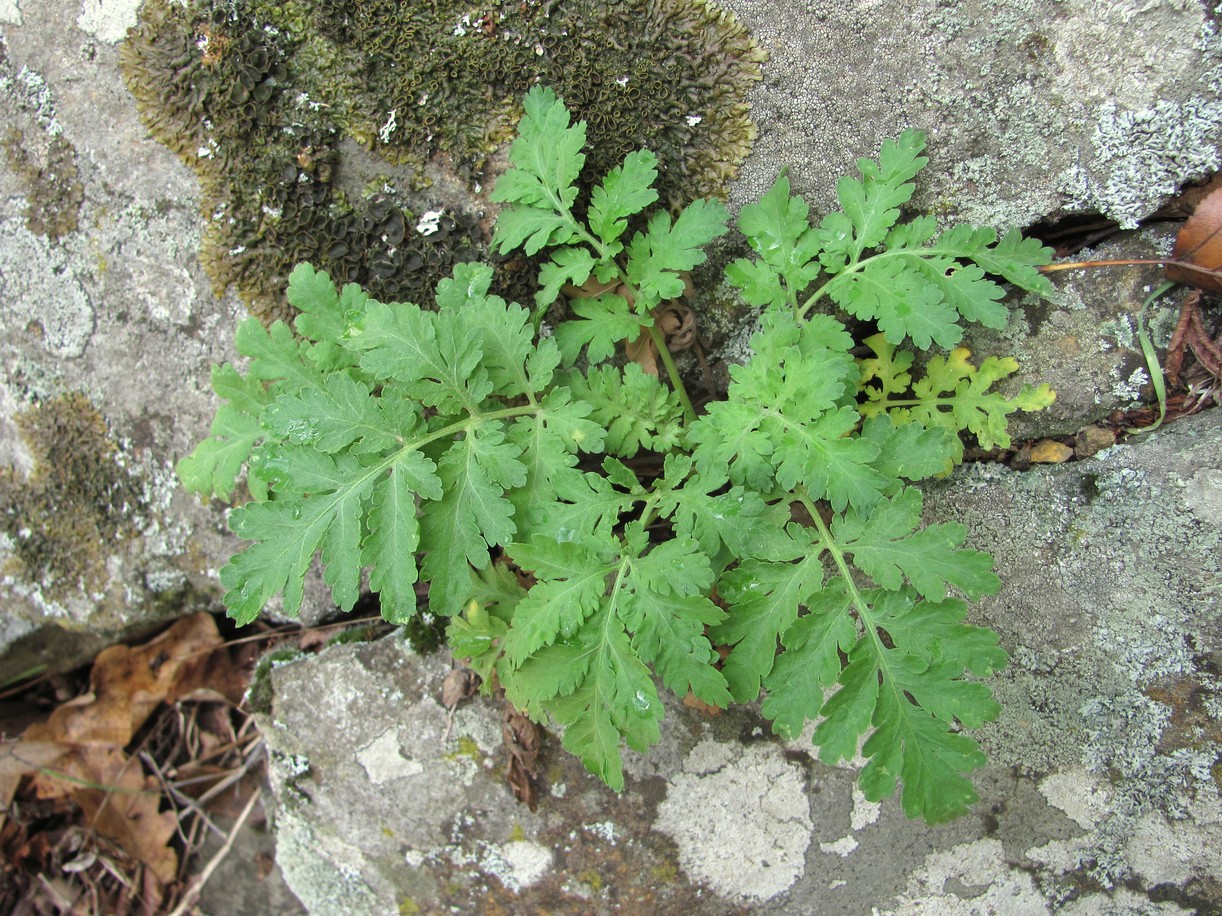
column 517, row 865
column 39, row 286
column 843, row 847
column 10, row 12
column 693, row 120
column 746, row 858
column 981, row 866
column 603, row 829
column 385, row 131
column 1078, row 794
column 865, row 812
column 429, row 222
column 108, row 20
column 1131, row 387
column 383, row 760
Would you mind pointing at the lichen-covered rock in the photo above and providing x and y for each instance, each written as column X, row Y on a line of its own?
column 1111, row 611
column 1034, row 108
column 100, row 322
column 1102, row 794
column 405, row 809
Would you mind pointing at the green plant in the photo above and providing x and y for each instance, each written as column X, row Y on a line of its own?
column 780, row 525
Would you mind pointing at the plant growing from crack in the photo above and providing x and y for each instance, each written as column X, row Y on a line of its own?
column 778, row 527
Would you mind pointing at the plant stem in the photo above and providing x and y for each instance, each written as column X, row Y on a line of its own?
column 672, row 371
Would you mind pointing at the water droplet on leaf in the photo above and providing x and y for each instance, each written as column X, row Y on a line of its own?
column 300, row 432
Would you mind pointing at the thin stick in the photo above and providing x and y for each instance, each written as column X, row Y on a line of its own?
column 1116, row 262
column 1212, row 272
column 198, row 885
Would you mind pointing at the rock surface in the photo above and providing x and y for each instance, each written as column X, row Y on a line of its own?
column 109, row 326
column 1035, row 108
column 106, row 310
column 1084, row 343
column 1101, row 796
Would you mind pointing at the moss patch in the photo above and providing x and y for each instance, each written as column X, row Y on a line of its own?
column 335, row 131
column 54, row 192
column 77, row 504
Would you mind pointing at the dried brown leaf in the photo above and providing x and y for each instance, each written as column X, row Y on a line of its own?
column 691, row 701
column 129, row 683
column 523, row 740
column 1199, row 247
column 643, row 352
column 458, row 685
column 78, row 753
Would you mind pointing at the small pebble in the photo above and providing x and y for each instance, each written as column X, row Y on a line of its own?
column 1093, row 439
column 1049, row 451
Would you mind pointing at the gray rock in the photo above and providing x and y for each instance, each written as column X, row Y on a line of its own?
column 1034, row 108
column 103, row 302
column 108, row 327
column 1100, row 797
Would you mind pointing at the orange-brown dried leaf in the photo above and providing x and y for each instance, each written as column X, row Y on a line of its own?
column 127, row 811
column 691, row 701
column 19, row 759
column 642, row 352
column 1199, row 247
column 129, row 683
column 78, row 752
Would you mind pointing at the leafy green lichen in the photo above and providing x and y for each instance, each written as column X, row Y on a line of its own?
column 54, row 192
column 316, row 125
column 64, row 519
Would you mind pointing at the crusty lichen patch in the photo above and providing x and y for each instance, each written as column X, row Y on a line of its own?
column 62, row 520
column 316, row 127
column 751, row 858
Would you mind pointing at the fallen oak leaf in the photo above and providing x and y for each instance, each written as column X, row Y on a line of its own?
column 129, row 683
column 1197, row 256
column 119, row 802
column 78, row 752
